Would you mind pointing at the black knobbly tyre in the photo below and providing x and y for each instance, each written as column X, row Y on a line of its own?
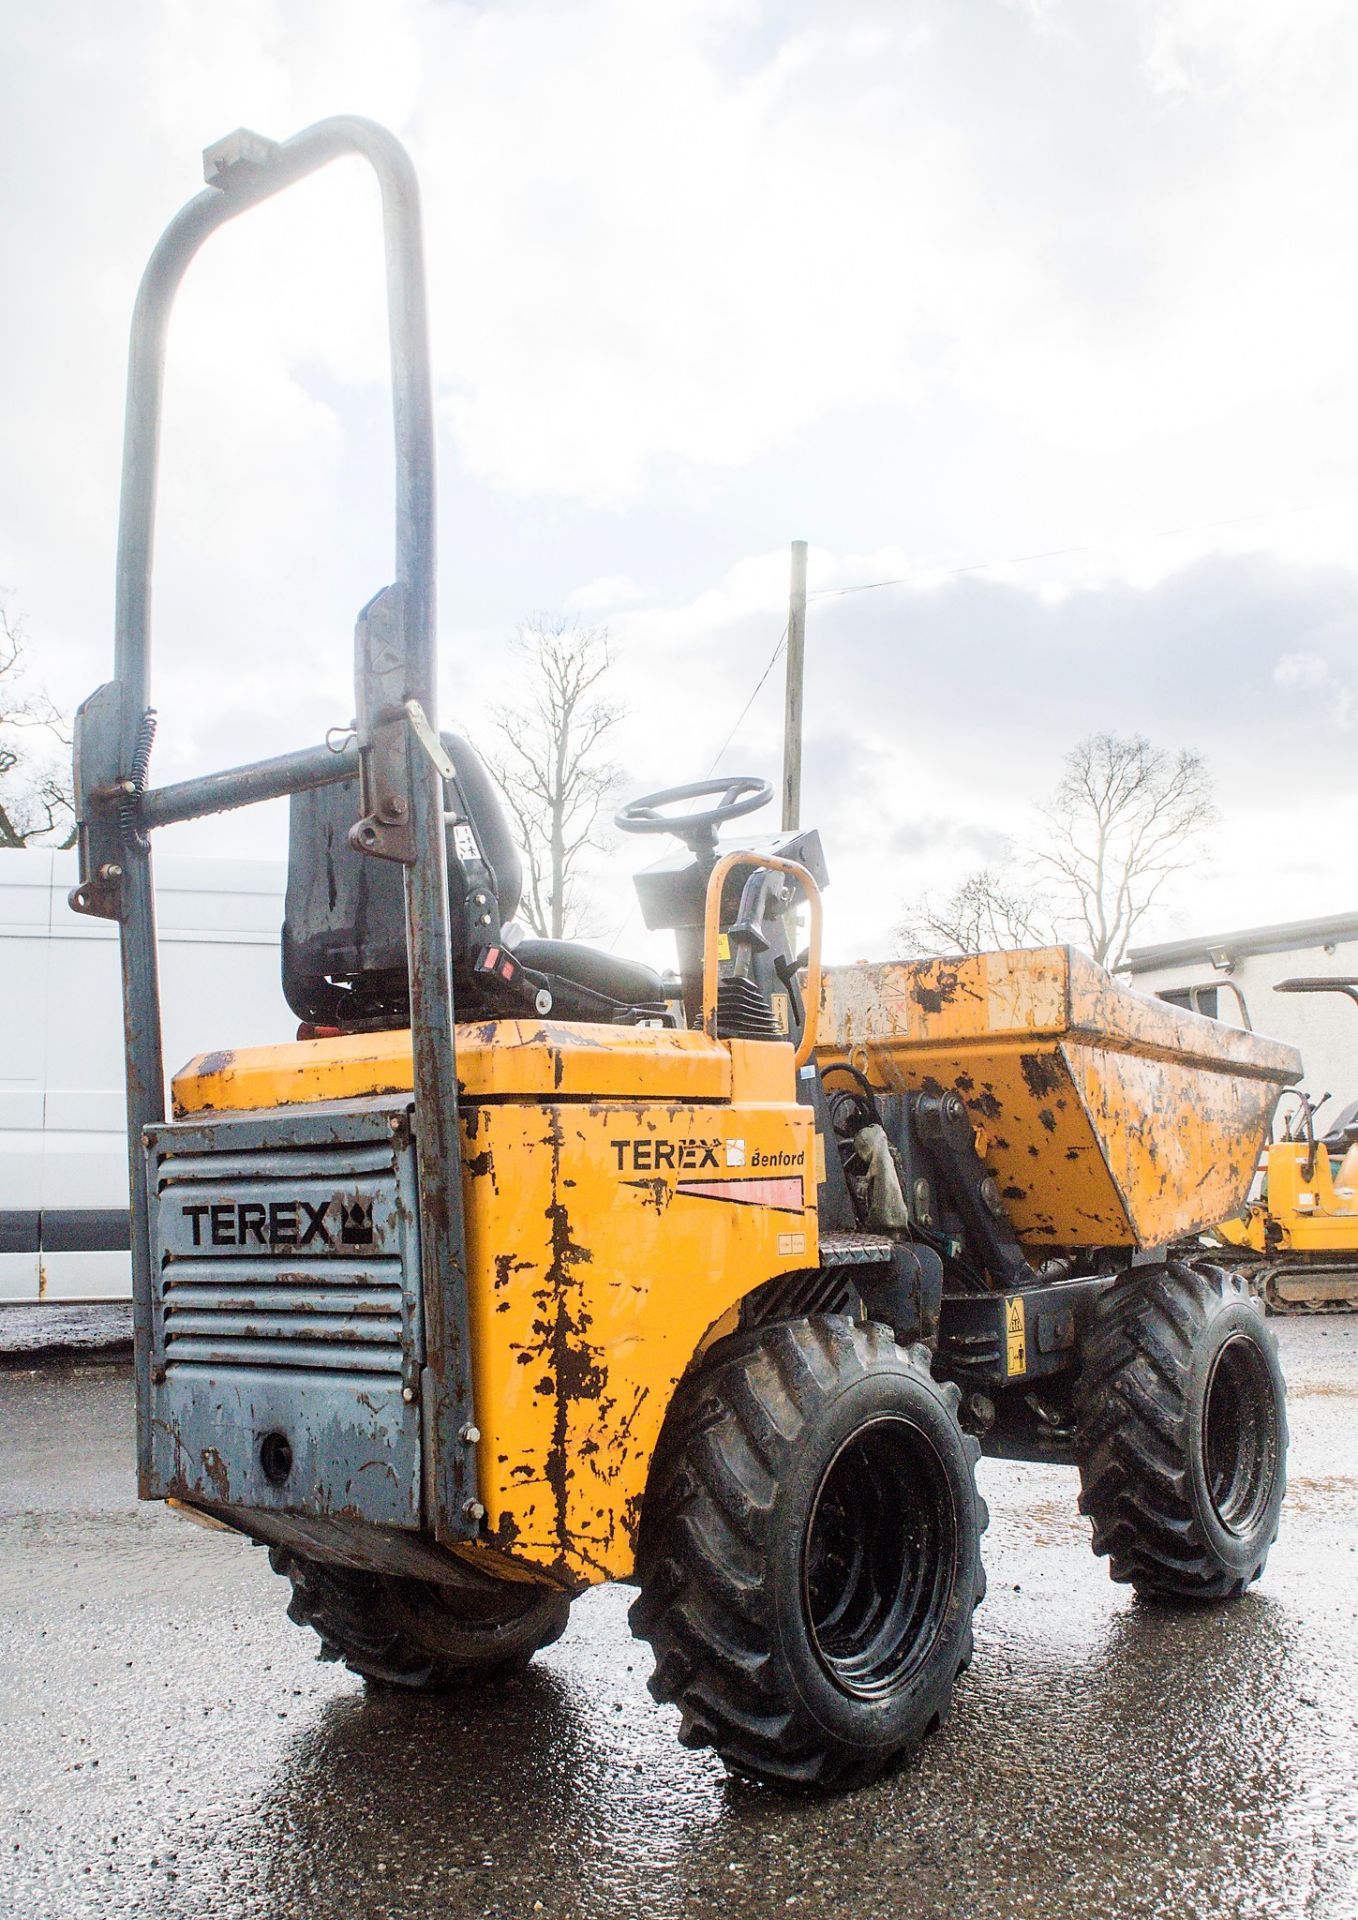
column 1183, row 1432
column 809, row 1556
column 416, row 1633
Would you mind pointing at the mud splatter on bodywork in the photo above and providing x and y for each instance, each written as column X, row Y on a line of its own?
column 1120, row 1121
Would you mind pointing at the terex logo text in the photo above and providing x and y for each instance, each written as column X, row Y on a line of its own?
column 653, row 1156
column 281, row 1223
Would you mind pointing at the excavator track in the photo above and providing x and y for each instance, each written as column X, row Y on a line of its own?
column 1296, row 1286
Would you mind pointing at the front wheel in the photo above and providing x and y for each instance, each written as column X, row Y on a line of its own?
column 1183, row 1432
column 809, row 1555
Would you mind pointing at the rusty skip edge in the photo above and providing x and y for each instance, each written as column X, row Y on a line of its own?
column 1087, row 1005
column 1283, row 1068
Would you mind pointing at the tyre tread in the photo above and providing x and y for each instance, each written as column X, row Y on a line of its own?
column 758, row 1396
column 1133, row 1415
column 354, row 1617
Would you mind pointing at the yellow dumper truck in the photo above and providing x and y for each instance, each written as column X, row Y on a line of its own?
column 522, row 1270
column 1297, row 1238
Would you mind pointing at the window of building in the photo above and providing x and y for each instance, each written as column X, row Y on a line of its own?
column 1193, row 999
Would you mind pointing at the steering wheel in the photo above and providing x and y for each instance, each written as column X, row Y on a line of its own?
column 739, row 794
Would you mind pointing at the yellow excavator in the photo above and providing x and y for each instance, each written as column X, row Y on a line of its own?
column 515, row 1273
column 1297, row 1238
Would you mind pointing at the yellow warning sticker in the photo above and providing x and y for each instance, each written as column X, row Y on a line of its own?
column 1015, row 1337
column 778, row 1002
column 723, row 947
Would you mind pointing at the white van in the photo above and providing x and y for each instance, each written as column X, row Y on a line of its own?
column 63, row 1141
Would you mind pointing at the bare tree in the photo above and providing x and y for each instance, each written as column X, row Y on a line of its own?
column 552, row 763
column 991, row 908
column 36, row 803
column 1126, row 818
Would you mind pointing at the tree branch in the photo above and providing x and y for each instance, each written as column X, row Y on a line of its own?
column 548, row 760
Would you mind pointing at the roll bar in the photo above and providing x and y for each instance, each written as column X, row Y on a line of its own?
column 1320, row 983
column 396, row 753
column 1196, row 991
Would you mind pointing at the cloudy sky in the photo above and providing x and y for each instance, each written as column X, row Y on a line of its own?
column 1049, row 307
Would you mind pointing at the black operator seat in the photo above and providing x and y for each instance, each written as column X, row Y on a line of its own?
column 344, row 948
column 628, row 981
column 1340, row 1135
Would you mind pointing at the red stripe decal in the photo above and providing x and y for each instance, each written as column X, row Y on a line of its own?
column 785, row 1193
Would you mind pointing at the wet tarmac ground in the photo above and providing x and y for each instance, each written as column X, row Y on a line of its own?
column 169, row 1745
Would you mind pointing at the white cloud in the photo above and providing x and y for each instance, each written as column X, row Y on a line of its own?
column 1305, row 670
column 1212, row 48
column 603, row 596
column 1045, row 307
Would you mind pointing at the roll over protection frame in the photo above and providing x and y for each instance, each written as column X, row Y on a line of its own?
column 398, row 711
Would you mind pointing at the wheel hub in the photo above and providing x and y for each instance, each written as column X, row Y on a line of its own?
column 878, row 1558
column 1239, row 1435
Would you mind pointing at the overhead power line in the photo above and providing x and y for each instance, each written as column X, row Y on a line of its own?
column 988, row 566
column 1065, row 553
column 945, row 573
column 773, row 661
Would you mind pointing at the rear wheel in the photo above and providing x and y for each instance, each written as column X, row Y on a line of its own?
column 809, row 1556
column 1183, row 1432
column 420, row 1633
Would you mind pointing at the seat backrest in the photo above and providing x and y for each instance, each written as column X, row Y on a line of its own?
column 344, row 947
column 1339, row 1135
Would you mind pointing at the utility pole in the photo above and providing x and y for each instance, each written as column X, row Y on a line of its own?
column 792, row 723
